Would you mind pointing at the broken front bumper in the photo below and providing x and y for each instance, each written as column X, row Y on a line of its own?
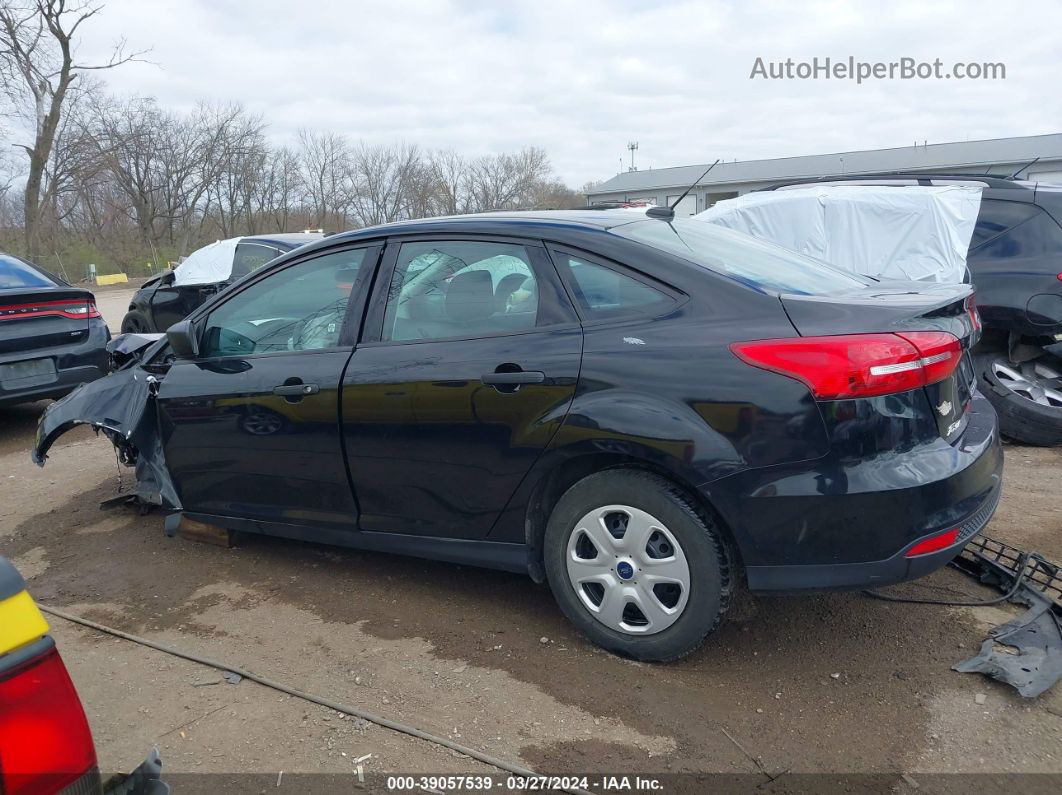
column 122, row 406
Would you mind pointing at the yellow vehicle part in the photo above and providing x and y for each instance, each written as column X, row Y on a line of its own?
column 20, row 622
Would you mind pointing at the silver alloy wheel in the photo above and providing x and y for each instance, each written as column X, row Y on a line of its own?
column 628, row 570
column 1036, row 381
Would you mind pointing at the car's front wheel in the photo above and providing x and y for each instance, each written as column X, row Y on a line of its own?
column 639, row 569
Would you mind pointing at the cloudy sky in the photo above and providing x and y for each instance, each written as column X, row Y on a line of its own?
column 581, row 79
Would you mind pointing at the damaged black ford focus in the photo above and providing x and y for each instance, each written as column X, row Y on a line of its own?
column 641, row 412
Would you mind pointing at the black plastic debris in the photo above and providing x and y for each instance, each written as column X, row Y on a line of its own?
column 1025, row 652
column 121, row 406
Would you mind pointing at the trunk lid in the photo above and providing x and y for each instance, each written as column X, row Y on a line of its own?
column 898, row 307
column 44, row 317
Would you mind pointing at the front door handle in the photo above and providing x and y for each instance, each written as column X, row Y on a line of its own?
column 296, row 390
column 514, row 379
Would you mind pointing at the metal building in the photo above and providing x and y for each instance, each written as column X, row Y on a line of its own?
column 997, row 156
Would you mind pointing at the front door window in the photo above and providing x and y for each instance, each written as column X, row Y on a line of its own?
column 299, row 308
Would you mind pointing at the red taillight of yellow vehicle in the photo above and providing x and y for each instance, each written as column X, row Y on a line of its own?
column 45, row 742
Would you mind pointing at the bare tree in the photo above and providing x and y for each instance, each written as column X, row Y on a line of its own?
column 383, row 179
column 506, row 181
column 279, row 189
column 37, row 72
column 552, row 194
column 450, row 182
column 241, row 154
column 326, row 163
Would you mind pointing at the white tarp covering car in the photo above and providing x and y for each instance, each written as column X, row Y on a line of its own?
column 912, row 232
column 207, row 265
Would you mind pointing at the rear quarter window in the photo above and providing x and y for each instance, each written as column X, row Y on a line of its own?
column 1037, row 236
column 603, row 291
column 996, row 217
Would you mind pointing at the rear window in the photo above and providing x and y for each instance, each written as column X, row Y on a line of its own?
column 758, row 264
column 15, row 273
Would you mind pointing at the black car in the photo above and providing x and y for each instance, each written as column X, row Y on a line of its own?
column 52, row 337
column 162, row 301
column 642, row 413
column 1015, row 262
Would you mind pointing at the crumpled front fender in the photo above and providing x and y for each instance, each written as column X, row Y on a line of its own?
column 122, row 406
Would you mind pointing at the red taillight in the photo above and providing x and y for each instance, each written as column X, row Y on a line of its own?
column 857, row 365
column 940, row 353
column 971, row 310
column 45, row 743
column 934, row 544
column 88, row 309
column 74, row 310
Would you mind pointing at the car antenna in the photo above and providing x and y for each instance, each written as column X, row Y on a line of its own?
column 668, row 213
column 1027, row 165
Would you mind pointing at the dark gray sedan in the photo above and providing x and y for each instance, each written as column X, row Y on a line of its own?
column 52, row 337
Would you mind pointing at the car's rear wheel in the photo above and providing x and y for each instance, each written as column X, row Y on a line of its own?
column 134, row 322
column 638, row 569
column 1027, row 396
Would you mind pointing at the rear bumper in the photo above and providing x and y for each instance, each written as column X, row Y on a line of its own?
column 849, row 576
column 74, row 365
column 846, row 521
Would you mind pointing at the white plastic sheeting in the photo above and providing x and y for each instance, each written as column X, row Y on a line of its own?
column 912, row 232
column 207, row 265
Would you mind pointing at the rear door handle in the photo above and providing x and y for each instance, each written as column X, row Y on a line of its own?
column 519, row 377
column 296, row 390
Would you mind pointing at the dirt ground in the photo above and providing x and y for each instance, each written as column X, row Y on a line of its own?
column 837, row 683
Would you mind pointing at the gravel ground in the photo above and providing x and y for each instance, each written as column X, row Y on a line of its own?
column 835, row 683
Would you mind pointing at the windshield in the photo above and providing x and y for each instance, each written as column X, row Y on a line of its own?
column 15, row 273
column 760, row 265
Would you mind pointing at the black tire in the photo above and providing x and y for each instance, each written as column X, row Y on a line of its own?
column 135, row 322
column 711, row 562
column 1020, row 418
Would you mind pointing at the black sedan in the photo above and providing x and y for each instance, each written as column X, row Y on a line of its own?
column 167, row 298
column 52, row 337
column 641, row 412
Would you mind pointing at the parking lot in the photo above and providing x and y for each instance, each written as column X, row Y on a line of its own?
column 835, row 682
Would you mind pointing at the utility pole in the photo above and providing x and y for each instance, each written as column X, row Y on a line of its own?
column 633, row 147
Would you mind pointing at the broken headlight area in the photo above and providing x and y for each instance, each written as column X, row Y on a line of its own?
column 122, row 407
column 126, row 348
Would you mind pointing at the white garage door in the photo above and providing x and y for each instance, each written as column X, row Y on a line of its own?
column 1054, row 177
column 687, row 206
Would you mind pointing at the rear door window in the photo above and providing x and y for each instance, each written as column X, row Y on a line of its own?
column 456, row 288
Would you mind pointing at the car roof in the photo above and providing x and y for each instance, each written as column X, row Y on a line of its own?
column 490, row 222
column 908, row 178
column 291, row 239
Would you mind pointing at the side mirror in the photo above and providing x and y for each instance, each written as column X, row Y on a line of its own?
column 183, row 339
